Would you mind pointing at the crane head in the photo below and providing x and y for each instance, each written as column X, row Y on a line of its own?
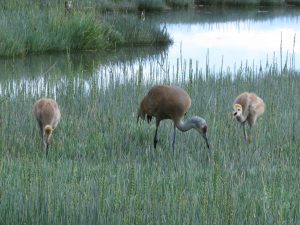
column 237, row 110
column 47, row 134
column 201, row 127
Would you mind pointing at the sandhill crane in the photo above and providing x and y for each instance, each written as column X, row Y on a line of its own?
column 47, row 114
column 247, row 107
column 170, row 102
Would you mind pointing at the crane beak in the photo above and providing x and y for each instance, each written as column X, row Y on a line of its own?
column 47, row 148
column 206, row 140
column 234, row 115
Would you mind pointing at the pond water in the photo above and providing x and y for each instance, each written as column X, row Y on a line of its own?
column 228, row 38
column 214, row 39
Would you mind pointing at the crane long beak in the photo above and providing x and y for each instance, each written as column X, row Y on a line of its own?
column 47, row 148
column 206, row 140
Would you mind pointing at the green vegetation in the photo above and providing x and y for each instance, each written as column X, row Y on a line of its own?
column 102, row 168
column 34, row 30
column 127, row 30
column 36, row 26
column 147, row 5
column 103, row 5
column 41, row 31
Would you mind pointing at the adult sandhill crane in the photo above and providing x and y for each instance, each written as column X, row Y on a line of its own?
column 47, row 114
column 247, row 107
column 170, row 102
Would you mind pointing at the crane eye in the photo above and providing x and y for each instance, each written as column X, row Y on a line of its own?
column 239, row 109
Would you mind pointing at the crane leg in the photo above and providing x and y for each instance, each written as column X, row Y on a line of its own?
column 245, row 133
column 149, row 118
column 155, row 138
column 43, row 146
column 250, row 136
column 155, row 135
column 174, row 138
column 41, row 129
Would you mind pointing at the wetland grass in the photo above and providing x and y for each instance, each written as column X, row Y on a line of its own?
column 32, row 30
column 36, row 31
column 128, row 31
column 102, row 5
column 102, row 168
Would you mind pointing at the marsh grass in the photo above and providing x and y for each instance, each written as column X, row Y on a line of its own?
column 32, row 30
column 135, row 5
column 40, row 31
column 102, row 5
column 128, row 31
column 103, row 169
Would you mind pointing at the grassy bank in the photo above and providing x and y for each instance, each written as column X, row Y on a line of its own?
column 136, row 5
column 102, row 168
column 38, row 31
column 33, row 31
column 103, row 5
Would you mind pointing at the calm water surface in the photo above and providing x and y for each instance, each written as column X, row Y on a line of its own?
column 229, row 38
column 209, row 39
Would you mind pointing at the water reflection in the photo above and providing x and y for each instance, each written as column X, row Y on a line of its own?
column 82, row 63
column 46, row 74
column 203, row 39
column 232, row 37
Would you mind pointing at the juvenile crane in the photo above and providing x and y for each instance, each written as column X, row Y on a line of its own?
column 170, row 102
column 247, row 107
column 47, row 114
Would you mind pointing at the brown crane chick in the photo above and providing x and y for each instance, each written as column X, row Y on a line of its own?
column 247, row 107
column 47, row 114
column 170, row 102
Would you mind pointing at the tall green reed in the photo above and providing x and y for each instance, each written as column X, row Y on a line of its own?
column 35, row 31
column 102, row 5
column 40, row 31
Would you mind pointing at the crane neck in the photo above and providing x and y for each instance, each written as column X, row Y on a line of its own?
column 184, row 125
column 241, row 118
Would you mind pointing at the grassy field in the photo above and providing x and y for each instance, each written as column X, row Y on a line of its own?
column 103, row 169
